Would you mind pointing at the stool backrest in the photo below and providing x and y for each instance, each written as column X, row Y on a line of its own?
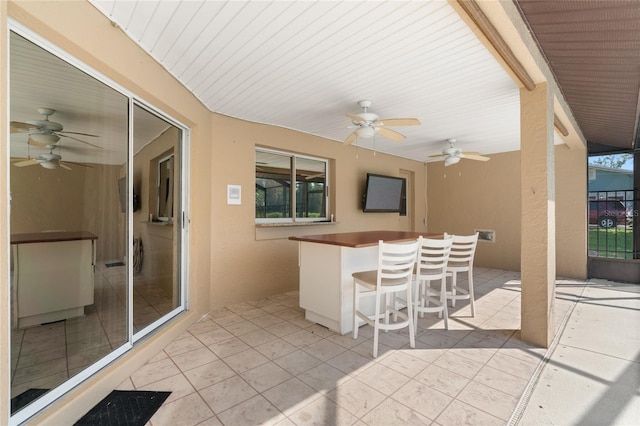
column 463, row 249
column 397, row 260
column 433, row 257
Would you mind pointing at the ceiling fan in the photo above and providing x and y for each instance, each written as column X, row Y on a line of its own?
column 454, row 155
column 368, row 124
column 49, row 160
column 43, row 133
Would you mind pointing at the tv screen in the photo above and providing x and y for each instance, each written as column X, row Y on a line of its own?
column 122, row 191
column 383, row 193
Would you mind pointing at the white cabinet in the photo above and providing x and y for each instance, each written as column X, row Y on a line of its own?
column 326, row 263
column 326, row 284
column 53, row 276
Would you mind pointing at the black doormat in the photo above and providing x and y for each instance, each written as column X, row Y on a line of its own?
column 126, row 408
column 112, row 264
column 26, row 398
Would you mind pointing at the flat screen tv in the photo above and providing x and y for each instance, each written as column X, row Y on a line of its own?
column 122, row 191
column 383, row 193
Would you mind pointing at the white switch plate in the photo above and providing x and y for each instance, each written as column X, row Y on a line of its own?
column 234, row 194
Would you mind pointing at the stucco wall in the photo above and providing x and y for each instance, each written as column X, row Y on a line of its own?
column 479, row 195
column 571, row 212
column 250, row 262
column 486, row 195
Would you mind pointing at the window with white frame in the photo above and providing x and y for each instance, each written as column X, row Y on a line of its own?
column 276, row 200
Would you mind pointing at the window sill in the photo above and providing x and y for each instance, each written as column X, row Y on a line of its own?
column 159, row 223
column 289, row 224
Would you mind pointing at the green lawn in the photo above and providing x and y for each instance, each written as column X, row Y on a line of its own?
column 614, row 242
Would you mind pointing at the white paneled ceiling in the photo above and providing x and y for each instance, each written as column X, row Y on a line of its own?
column 304, row 65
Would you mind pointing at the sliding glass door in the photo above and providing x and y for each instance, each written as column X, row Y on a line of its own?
column 157, row 222
column 97, row 201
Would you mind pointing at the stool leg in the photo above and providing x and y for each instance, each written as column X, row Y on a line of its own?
column 356, row 298
column 471, row 295
column 454, row 283
column 443, row 300
column 376, row 325
column 412, row 330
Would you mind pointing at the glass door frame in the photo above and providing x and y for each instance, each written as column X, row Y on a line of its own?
column 41, row 403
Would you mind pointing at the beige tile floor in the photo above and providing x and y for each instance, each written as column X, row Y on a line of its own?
column 261, row 362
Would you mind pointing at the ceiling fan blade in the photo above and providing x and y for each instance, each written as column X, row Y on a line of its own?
column 356, row 118
column 34, row 143
column 474, row 156
column 398, row 122
column 79, row 140
column 17, row 126
column 78, row 164
column 437, row 156
column 391, row 134
column 349, row 140
column 63, row 165
column 78, row 133
column 30, row 162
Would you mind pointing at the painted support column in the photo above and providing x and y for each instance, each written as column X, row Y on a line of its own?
column 537, row 186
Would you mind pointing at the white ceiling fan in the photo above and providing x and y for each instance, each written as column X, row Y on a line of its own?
column 368, row 124
column 43, row 133
column 453, row 155
column 49, row 160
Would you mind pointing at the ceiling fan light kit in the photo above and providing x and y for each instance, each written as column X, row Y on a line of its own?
column 450, row 161
column 369, row 124
column 453, row 155
column 49, row 164
column 365, row 132
column 44, row 139
column 46, row 134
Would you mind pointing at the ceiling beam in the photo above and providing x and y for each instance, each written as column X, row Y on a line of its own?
column 561, row 127
column 478, row 17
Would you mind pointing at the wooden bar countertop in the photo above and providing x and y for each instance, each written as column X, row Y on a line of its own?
column 364, row 238
column 51, row 237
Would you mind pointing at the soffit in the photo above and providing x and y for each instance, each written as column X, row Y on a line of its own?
column 593, row 49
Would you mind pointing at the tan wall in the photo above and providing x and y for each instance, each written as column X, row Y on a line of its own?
column 81, row 199
column 85, row 33
column 250, row 262
column 479, row 195
column 571, row 212
column 476, row 195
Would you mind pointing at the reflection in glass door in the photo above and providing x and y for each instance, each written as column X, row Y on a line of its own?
column 95, row 223
column 156, row 224
column 69, row 281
